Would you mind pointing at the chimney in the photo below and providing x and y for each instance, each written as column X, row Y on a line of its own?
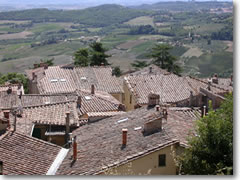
column 209, row 85
column 92, row 89
column 215, row 79
column 75, row 148
column 34, row 76
column 191, row 99
column 1, row 168
column 45, row 66
column 153, row 99
column 157, row 108
column 102, row 64
column 150, row 69
column 6, row 114
column 152, row 126
column 42, row 64
column 79, row 102
column 67, row 127
column 165, row 113
column 204, row 111
column 9, row 91
column 35, row 66
column 124, row 137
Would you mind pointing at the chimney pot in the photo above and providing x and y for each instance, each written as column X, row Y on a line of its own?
column 6, row 114
column 150, row 69
column 124, row 137
column 165, row 113
column 74, row 148
column 1, row 168
column 9, row 91
column 92, row 89
column 79, row 102
column 204, row 111
column 157, row 108
column 67, row 127
column 35, row 66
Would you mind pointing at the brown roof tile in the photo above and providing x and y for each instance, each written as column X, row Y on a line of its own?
column 170, row 87
column 65, row 80
column 24, row 155
column 100, row 143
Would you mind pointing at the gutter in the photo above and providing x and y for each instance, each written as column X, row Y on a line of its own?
column 57, row 162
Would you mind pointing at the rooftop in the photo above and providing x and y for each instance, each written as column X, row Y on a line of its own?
column 170, row 87
column 25, row 155
column 56, row 79
column 100, row 144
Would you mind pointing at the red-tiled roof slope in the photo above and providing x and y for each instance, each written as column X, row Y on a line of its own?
column 170, row 87
column 65, row 80
column 24, row 155
column 51, row 114
column 38, row 99
column 99, row 144
column 98, row 102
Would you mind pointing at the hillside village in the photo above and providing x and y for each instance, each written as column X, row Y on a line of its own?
column 86, row 121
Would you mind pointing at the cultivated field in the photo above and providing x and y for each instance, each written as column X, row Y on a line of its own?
column 20, row 35
column 143, row 20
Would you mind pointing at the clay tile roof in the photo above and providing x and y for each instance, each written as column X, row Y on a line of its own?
column 50, row 114
column 7, row 101
column 38, row 99
column 38, row 71
column 65, row 80
column 224, row 83
column 146, row 70
column 98, row 102
column 99, row 144
column 170, row 87
column 24, row 155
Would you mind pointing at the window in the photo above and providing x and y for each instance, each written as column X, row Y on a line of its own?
column 162, row 160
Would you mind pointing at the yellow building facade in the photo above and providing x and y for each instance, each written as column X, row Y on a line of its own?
column 150, row 164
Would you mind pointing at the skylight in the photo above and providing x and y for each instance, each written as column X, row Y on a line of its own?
column 83, row 78
column 54, row 80
column 62, row 80
column 88, row 98
column 137, row 128
column 122, row 120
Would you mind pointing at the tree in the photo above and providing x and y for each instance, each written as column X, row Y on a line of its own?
column 116, row 71
column 15, row 78
column 81, row 57
column 211, row 150
column 49, row 62
column 98, row 55
column 164, row 59
column 139, row 64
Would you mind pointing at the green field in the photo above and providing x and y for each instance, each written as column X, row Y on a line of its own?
column 143, row 20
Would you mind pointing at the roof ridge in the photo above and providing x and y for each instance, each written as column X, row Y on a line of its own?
column 51, row 104
column 207, row 83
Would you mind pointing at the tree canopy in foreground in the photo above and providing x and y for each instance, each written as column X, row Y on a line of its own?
column 211, row 150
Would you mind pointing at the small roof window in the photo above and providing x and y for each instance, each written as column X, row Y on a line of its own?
column 122, row 120
column 83, row 78
column 137, row 128
column 88, row 98
column 62, row 80
column 54, row 80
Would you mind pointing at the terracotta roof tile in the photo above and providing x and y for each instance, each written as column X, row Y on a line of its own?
column 24, row 155
column 170, row 87
column 65, row 80
column 100, row 143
